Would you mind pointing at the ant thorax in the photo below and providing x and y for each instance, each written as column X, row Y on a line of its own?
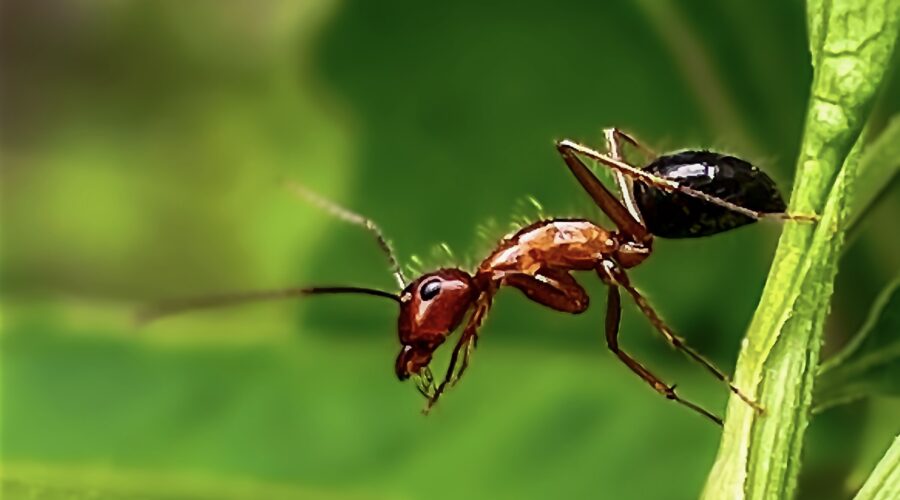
column 570, row 244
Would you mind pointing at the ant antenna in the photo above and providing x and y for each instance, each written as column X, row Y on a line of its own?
column 169, row 308
column 355, row 219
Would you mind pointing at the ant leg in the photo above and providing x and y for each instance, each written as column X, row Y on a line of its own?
column 464, row 359
column 459, row 359
column 471, row 332
column 649, row 179
column 613, row 314
column 552, row 288
column 614, row 148
column 611, row 206
column 616, row 275
column 616, row 135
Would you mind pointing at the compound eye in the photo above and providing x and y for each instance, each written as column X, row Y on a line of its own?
column 430, row 290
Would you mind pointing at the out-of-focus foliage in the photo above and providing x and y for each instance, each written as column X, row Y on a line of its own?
column 143, row 149
column 878, row 166
column 870, row 364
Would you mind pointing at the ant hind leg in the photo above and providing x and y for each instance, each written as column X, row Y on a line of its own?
column 612, row 275
column 618, row 213
column 567, row 147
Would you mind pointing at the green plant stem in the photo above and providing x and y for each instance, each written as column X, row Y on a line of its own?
column 851, row 42
column 884, row 482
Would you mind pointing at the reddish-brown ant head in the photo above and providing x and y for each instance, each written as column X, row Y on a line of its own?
column 431, row 307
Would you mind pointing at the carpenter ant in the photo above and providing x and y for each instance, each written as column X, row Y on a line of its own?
column 681, row 195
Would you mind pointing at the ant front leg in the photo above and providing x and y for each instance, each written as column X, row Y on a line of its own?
column 549, row 287
column 613, row 315
column 459, row 359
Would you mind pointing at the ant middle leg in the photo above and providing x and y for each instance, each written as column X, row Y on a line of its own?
column 552, row 288
column 611, row 274
column 614, row 138
column 613, row 316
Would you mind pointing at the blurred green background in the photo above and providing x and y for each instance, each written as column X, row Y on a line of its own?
column 143, row 149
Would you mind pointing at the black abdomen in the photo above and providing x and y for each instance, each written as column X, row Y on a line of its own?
column 677, row 215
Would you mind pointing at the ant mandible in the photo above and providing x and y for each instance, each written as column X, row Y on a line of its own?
column 680, row 195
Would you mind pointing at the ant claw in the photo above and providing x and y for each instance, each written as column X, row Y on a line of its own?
column 804, row 217
column 670, row 392
column 429, row 405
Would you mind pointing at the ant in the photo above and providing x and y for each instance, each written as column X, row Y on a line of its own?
column 680, row 195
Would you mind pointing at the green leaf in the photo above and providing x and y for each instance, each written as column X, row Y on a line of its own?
column 759, row 455
column 179, row 415
column 871, row 363
column 884, row 482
